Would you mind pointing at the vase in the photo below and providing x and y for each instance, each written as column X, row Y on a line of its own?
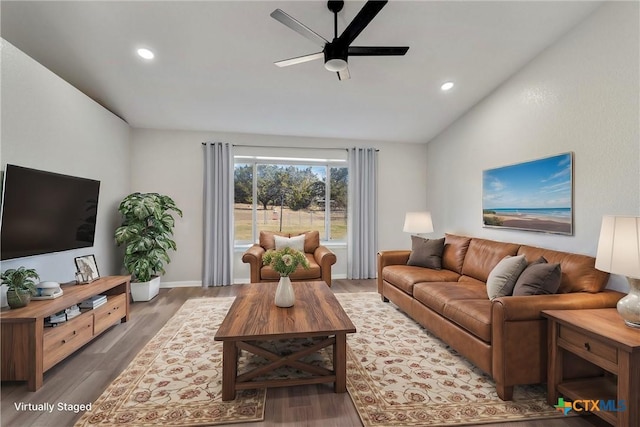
column 629, row 306
column 284, row 292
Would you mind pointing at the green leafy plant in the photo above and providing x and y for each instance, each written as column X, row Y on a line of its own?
column 285, row 260
column 22, row 282
column 146, row 232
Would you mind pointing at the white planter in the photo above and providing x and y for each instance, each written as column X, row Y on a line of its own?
column 145, row 291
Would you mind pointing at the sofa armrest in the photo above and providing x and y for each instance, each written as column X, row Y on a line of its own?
column 325, row 259
column 253, row 257
column 516, row 308
column 519, row 334
column 393, row 257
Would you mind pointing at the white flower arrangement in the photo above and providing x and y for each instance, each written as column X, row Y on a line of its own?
column 285, row 260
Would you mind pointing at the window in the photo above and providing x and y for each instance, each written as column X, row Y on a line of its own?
column 290, row 195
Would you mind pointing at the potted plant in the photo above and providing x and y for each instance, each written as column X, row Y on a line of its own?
column 21, row 285
column 146, row 231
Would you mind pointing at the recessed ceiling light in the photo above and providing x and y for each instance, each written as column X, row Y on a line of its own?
column 145, row 53
column 447, row 86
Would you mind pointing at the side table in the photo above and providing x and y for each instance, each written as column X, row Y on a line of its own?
column 601, row 337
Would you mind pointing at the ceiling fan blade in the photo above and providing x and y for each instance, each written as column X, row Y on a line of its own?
column 377, row 50
column 344, row 74
column 362, row 19
column 298, row 27
column 299, row 59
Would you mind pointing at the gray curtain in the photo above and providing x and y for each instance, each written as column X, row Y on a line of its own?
column 218, row 214
column 363, row 205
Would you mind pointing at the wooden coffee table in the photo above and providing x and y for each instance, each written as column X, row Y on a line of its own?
column 254, row 317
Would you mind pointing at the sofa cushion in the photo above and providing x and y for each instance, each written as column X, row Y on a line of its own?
column 474, row 315
column 503, row 277
column 539, row 278
column 426, row 252
column 437, row 295
column 405, row 276
column 578, row 271
column 455, row 248
column 314, row 271
column 483, row 255
column 296, row 242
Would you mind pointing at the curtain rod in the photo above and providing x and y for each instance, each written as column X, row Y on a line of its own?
column 282, row 146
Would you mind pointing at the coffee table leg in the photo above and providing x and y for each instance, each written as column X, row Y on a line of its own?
column 229, row 369
column 340, row 363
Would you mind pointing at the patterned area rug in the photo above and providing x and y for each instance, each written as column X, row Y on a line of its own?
column 176, row 380
column 398, row 375
column 401, row 375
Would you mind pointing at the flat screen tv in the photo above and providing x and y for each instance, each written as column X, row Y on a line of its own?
column 45, row 212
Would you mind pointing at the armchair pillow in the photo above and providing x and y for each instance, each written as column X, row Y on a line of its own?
column 296, row 242
column 426, row 252
column 268, row 240
column 504, row 275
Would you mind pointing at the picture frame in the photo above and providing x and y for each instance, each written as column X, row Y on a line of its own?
column 87, row 268
column 531, row 196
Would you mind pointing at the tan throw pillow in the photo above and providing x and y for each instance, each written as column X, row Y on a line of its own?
column 539, row 278
column 426, row 252
column 296, row 242
column 503, row 277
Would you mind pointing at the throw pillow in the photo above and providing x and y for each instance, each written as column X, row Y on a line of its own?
column 503, row 277
column 539, row 278
column 296, row 242
column 426, row 252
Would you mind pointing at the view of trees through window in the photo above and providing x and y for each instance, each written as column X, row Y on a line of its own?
column 290, row 198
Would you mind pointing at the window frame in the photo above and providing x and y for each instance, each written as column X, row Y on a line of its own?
column 255, row 161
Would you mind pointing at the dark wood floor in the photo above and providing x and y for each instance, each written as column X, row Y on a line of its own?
column 81, row 378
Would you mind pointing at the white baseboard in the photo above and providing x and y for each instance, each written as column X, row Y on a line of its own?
column 188, row 284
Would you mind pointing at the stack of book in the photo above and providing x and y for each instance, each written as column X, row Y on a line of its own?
column 72, row 311
column 55, row 319
column 93, row 302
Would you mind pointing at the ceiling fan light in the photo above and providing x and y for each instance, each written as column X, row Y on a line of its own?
column 336, row 64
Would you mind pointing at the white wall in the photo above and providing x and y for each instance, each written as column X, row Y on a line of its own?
column 579, row 95
column 174, row 164
column 48, row 124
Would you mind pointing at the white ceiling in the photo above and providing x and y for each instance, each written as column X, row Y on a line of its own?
column 214, row 61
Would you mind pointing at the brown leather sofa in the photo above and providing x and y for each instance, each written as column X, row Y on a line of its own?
column 320, row 259
column 506, row 337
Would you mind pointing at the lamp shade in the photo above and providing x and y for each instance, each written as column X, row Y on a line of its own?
column 619, row 246
column 418, row 222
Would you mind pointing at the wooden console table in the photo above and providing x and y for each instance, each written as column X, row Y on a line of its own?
column 29, row 349
column 601, row 337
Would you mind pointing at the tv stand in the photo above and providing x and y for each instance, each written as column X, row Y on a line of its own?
column 29, row 349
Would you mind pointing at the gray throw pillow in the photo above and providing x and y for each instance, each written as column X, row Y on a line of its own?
column 426, row 252
column 503, row 277
column 539, row 278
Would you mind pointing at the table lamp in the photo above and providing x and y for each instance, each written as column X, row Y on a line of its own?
column 417, row 223
column 619, row 253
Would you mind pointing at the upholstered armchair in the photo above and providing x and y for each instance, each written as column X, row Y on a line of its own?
column 320, row 258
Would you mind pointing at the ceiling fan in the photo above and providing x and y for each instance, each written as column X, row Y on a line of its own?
column 337, row 51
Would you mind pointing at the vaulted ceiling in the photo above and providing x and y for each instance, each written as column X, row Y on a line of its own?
column 213, row 67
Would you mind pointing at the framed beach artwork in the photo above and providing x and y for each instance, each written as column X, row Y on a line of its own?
column 531, row 196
